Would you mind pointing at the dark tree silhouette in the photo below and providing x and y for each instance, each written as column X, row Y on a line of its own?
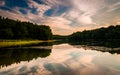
column 11, row 29
column 101, row 34
column 109, row 37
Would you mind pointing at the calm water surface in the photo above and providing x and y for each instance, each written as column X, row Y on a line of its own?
column 62, row 59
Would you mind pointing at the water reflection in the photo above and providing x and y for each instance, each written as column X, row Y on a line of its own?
column 66, row 59
column 114, row 43
column 99, row 48
column 9, row 56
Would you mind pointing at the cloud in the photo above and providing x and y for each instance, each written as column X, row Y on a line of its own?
column 2, row 3
column 41, row 8
column 113, row 7
column 118, row 21
column 65, row 17
column 76, row 60
column 13, row 15
column 85, row 20
column 59, row 25
column 88, row 6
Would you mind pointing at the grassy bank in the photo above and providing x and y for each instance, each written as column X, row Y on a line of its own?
column 9, row 43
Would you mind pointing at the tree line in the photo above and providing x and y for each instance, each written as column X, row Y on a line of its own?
column 11, row 29
column 101, row 34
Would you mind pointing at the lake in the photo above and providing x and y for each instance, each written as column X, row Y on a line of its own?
column 59, row 59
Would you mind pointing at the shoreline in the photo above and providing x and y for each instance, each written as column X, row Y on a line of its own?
column 12, row 43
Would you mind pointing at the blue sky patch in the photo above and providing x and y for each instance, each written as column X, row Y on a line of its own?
column 56, row 11
column 34, row 10
column 5, row 8
column 62, row 9
column 22, row 11
column 16, row 3
column 49, row 12
column 39, row 1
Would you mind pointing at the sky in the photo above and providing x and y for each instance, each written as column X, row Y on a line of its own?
column 64, row 16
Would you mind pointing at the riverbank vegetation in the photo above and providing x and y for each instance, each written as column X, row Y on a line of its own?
column 11, row 29
column 29, row 33
column 11, row 43
column 101, row 34
column 17, row 33
column 109, row 37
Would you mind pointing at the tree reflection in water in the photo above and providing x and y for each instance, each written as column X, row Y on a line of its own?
column 64, row 59
column 9, row 56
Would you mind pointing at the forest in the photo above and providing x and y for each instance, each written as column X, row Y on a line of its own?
column 109, row 37
column 11, row 29
column 100, row 34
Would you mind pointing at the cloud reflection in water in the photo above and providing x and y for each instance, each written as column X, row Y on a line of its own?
column 68, row 60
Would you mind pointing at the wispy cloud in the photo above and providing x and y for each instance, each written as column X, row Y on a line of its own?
column 41, row 8
column 59, row 25
column 65, row 17
column 13, row 15
column 2, row 3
